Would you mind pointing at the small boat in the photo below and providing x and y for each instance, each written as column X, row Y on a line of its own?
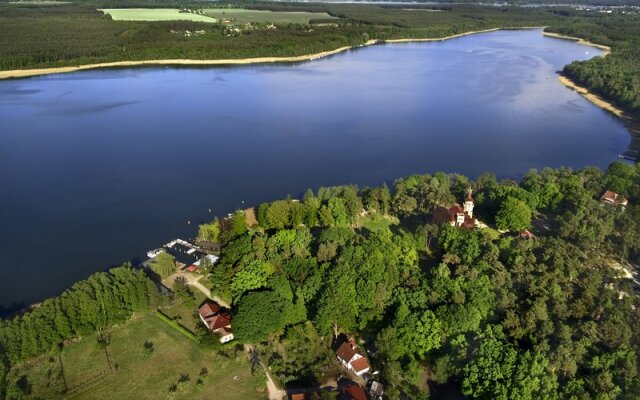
column 154, row 253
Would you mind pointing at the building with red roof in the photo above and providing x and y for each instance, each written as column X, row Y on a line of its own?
column 351, row 358
column 614, row 199
column 351, row 391
column 459, row 216
column 217, row 320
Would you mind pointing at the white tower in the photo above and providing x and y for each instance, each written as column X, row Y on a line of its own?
column 468, row 204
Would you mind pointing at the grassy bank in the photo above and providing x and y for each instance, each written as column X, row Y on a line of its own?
column 85, row 370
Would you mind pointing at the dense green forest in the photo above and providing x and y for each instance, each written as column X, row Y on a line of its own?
column 488, row 312
column 500, row 316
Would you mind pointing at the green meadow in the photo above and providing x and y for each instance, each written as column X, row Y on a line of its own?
column 86, row 370
column 154, row 14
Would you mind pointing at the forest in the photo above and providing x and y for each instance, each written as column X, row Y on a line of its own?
column 499, row 316
column 483, row 310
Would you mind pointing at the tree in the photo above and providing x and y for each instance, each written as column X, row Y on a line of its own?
column 209, row 232
column 498, row 371
column 253, row 276
column 513, row 215
column 261, row 314
column 278, row 215
column 163, row 264
column 419, row 333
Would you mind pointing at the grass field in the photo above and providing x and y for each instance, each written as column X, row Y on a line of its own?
column 375, row 222
column 38, row 378
column 183, row 313
column 140, row 376
column 242, row 16
column 134, row 374
column 154, row 14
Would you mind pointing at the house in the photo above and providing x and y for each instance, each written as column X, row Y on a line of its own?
column 217, row 320
column 527, row 234
column 351, row 391
column 458, row 216
column 351, row 358
column 614, row 199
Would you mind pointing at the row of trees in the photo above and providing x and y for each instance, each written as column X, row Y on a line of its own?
column 100, row 301
column 500, row 317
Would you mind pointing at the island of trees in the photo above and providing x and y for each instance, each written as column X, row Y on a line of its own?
column 489, row 311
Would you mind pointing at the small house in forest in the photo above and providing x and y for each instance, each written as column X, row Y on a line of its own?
column 351, row 358
column 217, row 320
column 613, row 199
column 458, row 216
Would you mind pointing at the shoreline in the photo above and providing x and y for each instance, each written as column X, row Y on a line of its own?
column 606, row 49
column 592, row 97
column 25, row 73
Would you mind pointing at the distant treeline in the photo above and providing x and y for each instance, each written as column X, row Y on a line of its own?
column 616, row 76
column 73, row 34
column 91, row 305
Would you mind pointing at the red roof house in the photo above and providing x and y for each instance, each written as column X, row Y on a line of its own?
column 351, row 392
column 352, row 359
column 613, row 199
column 216, row 320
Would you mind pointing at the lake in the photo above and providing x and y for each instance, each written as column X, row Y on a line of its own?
column 97, row 167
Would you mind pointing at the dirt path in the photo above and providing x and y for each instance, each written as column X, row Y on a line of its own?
column 275, row 393
column 194, row 280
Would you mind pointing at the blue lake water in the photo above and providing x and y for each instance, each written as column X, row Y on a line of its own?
column 97, row 167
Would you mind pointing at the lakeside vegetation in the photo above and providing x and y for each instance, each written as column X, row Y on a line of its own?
column 493, row 314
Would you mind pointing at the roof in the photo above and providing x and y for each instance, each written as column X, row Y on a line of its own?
column 468, row 221
column 359, row 365
column 352, row 392
column 526, row 234
column 346, row 351
column 613, row 197
column 220, row 321
column 297, row 396
column 209, row 309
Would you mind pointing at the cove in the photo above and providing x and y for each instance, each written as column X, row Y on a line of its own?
column 99, row 166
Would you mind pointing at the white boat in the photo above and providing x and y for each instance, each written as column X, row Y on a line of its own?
column 153, row 253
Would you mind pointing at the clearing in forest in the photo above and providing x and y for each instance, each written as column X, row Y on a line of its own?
column 154, row 14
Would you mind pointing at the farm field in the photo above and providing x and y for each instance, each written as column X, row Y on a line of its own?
column 154, row 14
column 85, row 368
column 243, row 16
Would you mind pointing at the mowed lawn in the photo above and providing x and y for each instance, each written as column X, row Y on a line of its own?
column 142, row 376
column 243, row 16
column 154, row 14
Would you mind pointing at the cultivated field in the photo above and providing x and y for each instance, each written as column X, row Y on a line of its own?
column 136, row 375
column 154, row 14
column 242, row 16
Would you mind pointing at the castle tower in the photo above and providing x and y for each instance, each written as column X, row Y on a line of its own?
column 468, row 204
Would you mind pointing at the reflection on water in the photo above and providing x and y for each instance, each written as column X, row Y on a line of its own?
column 97, row 167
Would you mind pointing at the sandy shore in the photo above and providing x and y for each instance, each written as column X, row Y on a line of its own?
column 604, row 48
column 592, row 97
column 442, row 38
column 23, row 73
